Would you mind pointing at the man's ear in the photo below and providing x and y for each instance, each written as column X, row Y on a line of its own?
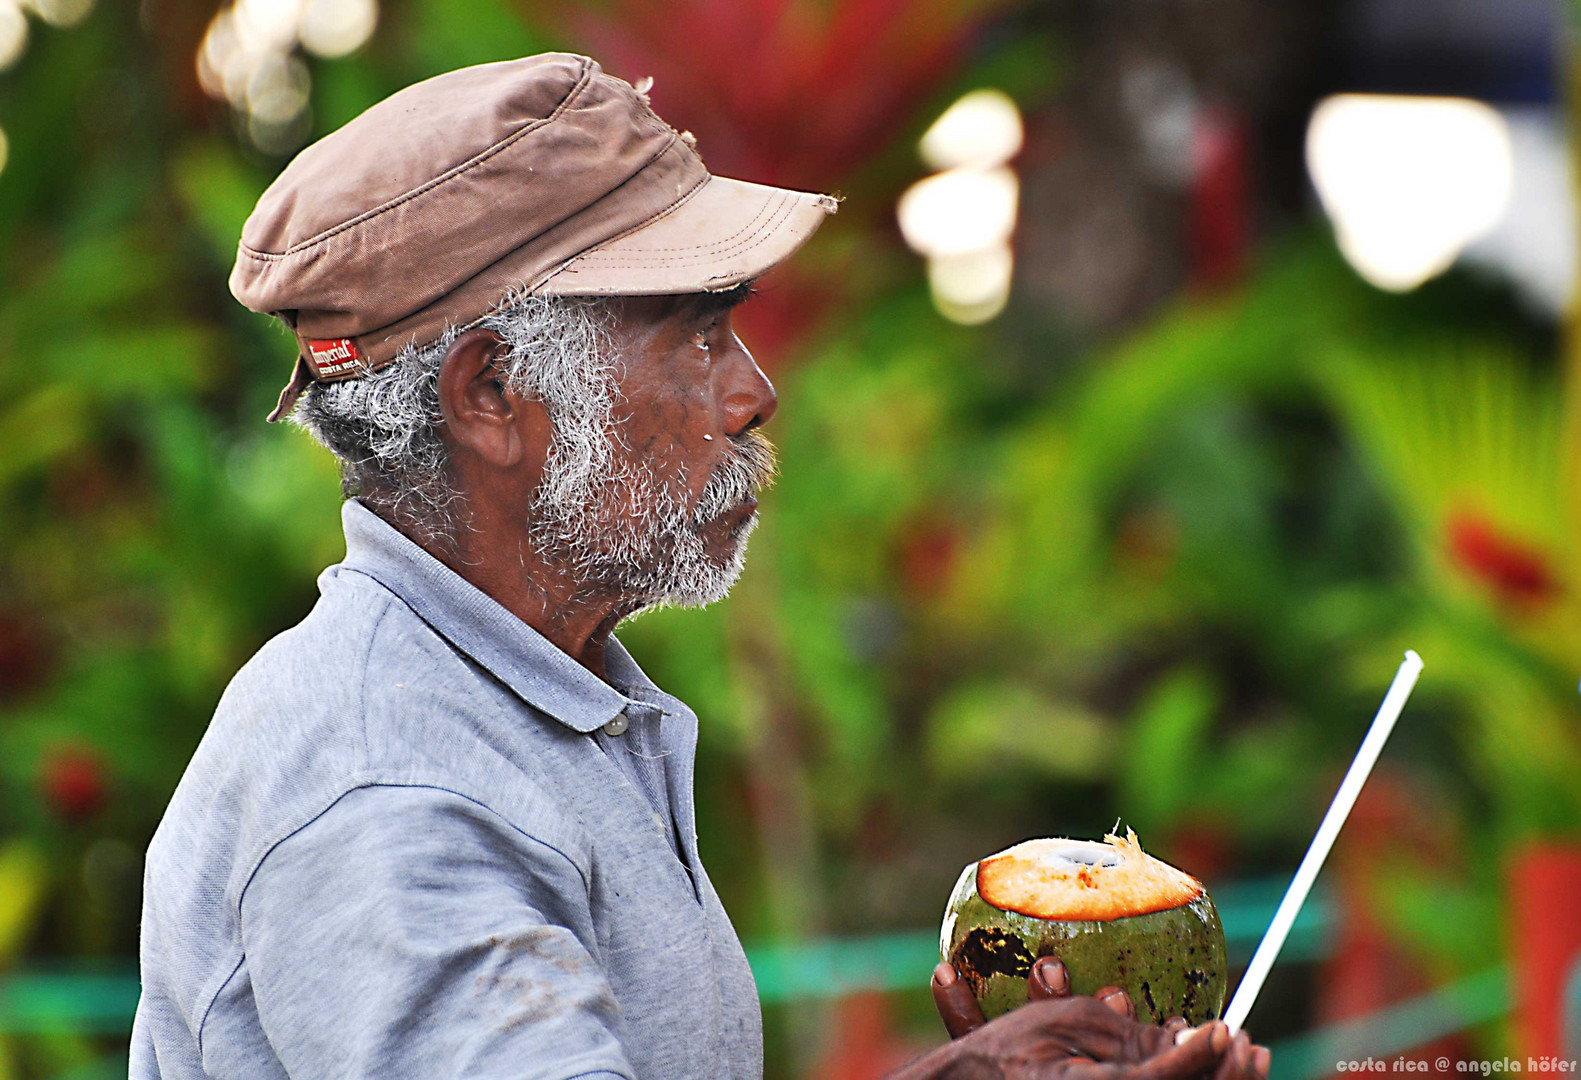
column 479, row 413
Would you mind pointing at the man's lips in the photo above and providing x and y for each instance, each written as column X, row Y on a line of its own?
column 738, row 515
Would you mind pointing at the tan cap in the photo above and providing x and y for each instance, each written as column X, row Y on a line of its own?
column 542, row 174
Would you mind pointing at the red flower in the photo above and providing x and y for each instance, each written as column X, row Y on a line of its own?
column 1518, row 576
column 73, row 782
column 792, row 92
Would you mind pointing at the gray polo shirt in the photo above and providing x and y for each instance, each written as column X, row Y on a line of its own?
column 418, row 840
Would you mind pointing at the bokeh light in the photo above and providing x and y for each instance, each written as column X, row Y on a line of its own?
column 1408, row 181
column 62, row 14
column 981, row 129
column 973, row 287
column 332, row 28
column 959, row 211
column 248, row 58
column 962, row 217
column 268, row 26
column 13, row 33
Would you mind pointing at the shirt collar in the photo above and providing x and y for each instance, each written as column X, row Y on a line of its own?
column 533, row 667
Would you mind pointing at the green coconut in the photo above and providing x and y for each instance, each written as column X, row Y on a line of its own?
column 1114, row 915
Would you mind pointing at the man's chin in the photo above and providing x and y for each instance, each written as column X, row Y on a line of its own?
column 715, row 574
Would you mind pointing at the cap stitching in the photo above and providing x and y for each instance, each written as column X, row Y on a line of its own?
column 445, row 177
column 672, row 208
column 751, row 225
column 758, row 237
column 660, row 216
column 467, row 326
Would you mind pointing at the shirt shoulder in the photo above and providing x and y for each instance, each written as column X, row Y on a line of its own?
column 360, row 693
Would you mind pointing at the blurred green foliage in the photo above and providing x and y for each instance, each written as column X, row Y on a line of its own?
column 995, row 595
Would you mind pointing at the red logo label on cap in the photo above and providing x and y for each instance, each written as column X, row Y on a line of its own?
column 334, row 357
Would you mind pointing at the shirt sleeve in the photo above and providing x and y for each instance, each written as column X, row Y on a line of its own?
column 412, row 932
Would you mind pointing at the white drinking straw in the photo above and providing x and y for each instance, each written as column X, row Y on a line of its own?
column 1268, row 950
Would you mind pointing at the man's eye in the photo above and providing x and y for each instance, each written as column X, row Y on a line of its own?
column 700, row 339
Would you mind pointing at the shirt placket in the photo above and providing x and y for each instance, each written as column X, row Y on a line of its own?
column 635, row 744
column 631, row 740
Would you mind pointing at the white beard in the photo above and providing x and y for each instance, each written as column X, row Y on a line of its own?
column 631, row 533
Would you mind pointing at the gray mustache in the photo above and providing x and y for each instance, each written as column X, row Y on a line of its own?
column 751, row 467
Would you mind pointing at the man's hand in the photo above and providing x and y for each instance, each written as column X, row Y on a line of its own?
column 958, row 1007
column 1076, row 1038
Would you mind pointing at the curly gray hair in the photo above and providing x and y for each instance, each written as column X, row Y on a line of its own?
column 383, row 428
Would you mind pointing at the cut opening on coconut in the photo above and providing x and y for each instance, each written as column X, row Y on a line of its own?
column 1083, row 879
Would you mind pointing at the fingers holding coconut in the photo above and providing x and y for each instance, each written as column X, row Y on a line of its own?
column 1201, row 1053
column 1076, row 1038
column 1244, row 1061
column 956, row 1003
column 1238, row 1062
column 1250, row 1064
column 1086, row 1026
column 1100, row 942
column 958, row 1007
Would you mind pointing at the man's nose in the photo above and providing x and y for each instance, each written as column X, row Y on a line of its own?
column 749, row 400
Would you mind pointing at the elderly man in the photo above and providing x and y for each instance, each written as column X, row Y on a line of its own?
column 444, row 826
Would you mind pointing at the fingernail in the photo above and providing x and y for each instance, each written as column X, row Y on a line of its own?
column 1116, row 1000
column 1219, row 1036
column 944, row 975
column 1261, row 1059
column 1053, row 977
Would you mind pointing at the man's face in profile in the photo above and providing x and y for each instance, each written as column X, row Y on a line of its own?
column 660, row 502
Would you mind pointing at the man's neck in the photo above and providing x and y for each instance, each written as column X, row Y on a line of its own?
column 499, row 561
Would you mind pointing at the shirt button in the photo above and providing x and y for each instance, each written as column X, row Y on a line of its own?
column 618, row 725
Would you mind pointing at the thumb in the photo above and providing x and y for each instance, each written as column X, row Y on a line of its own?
column 1197, row 1051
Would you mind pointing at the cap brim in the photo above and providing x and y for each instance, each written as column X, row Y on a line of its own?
column 724, row 233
